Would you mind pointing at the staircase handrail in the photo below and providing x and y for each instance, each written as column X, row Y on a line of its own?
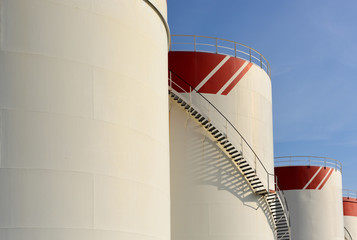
column 348, row 234
column 282, row 199
column 283, row 161
column 221, row 46
column 276, row 189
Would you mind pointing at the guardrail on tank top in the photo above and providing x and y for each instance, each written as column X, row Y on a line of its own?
column 307, row 161
column 349, row 193
column 219, row 46
column 182, row 88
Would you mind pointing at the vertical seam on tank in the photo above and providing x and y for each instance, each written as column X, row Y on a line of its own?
column 163, row 21
column 1, row 24
column 93, row 97
column 1, row 136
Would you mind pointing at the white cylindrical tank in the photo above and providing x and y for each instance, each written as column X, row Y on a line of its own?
column 350, row 213
column 313, row 190
column 84, row 143
column 210, row 197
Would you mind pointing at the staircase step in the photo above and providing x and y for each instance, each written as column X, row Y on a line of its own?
column 215, row 132
column 230, row 148
column 233, row 152
column 221, row 139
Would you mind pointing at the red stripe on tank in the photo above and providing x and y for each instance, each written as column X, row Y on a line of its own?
column 350, row 207
column 237, row 79
column 317, row 180
column 221, row 77
column 296, row 177
column 325, row 181
column 192, row 67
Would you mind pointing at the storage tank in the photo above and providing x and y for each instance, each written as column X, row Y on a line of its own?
column 221, row 140
column 313, row 189
column 83, row 120
column 350, row 213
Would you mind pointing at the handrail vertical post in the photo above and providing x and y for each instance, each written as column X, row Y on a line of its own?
column 255, row 164
column 235, row 49
column 216, row 45
column 261, row 61
column 241, row 143
column 226, row 129
column 194, row 42
column 325, row 162
column 190, row 96
column 170, row 80
column 290, row 161
column 250, row 55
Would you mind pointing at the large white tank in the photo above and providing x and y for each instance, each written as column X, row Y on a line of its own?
column 211, row 198
column 313, row 189
column 84, row 138
column 350, row 213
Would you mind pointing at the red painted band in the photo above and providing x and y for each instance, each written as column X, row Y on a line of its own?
column 222, row 76
column 237, row 79
column 194, row 67
column 350, row 207
column 327, row 178
column 302, row 177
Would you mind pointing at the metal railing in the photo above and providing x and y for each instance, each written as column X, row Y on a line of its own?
column 348, row 235
column 219, row 46
column 349, row 193
column 221, row 122
column 284, row 204
column 308, row 161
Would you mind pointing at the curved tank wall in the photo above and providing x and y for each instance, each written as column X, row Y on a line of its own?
column 350, row 216
column 240, row 90
column 84, row 137
column 313, row 194
column 210, row 198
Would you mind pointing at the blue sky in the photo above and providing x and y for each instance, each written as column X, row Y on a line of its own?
column 312, row 50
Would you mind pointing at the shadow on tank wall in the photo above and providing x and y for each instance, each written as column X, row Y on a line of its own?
column 204, row 165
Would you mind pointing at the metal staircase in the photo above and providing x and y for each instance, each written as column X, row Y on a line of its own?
column 273, row 199
column 228, row 147
column 280, row 216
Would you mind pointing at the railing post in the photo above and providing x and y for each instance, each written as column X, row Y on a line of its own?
column 226, row 130
column 241, row 144
column 170, row 81
column 194, row 43
column 290, row 161
column 190, row 96
column 261, row 62
column 255, row 164
column 216, row 45
column 325, row 162
column 235, row 49
column 250, row 55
